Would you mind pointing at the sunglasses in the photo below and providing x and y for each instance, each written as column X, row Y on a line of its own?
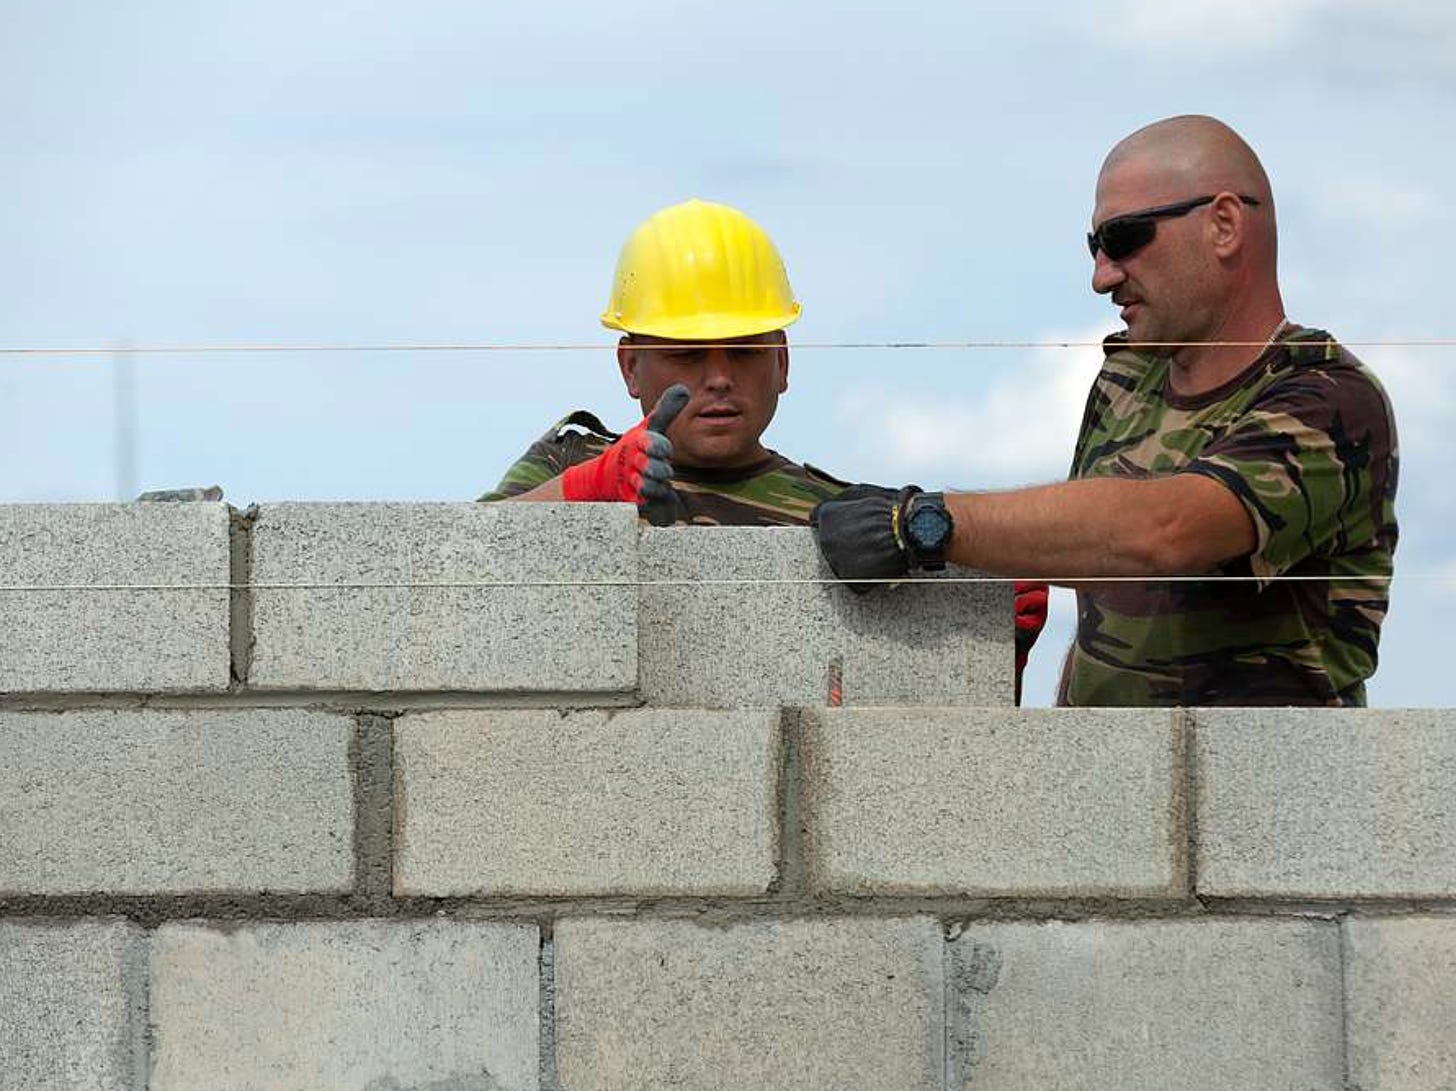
column 1123, row 236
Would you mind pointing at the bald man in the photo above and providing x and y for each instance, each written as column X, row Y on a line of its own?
column 1249, row 457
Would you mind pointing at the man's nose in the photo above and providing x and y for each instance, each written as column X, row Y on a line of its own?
column 1106, row 273
column 718, row 369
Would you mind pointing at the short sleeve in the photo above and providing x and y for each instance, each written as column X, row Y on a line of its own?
column 572, row 439
column 1312, row 461
column 530, row 470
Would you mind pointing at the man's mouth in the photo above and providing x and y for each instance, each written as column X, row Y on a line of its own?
column 720, row 413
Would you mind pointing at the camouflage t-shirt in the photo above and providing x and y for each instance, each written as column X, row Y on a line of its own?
column 1305, row 440
column 773, row 492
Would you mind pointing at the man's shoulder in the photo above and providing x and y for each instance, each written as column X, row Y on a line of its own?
column 1318, row 372
column 580, row 426
column 574, row 438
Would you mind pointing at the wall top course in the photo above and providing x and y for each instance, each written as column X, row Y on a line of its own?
column 748, row 616
column 127, row 544
column 524, row 615
column 114, row 597
column 448, row 542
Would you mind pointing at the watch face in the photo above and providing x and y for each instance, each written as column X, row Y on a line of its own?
column 928, row 527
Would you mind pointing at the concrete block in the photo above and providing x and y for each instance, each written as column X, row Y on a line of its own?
column 536, row 802
column 173, row 802
column 772, row 636
column 1400, row 996
column 1215, row 1004
column 804, row 1004
column 94, row 597
column 72, row 1006
column 541, row 622
column 1036, row 803
column 363, row 1006
column 1326, row 803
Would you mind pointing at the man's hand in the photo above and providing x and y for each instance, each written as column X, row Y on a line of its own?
column 859, row 534
column 1031, row 615
column 637, row 468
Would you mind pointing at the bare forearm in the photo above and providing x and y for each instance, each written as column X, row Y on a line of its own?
column 547, row 490
column 1180, row 525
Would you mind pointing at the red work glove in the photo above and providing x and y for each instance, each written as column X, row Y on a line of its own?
column 637, row 468
column 1031, row 614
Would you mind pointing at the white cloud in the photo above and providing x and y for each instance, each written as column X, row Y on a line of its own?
column 1227, row 28
column 1019, row 430
column 1380, row 201
column 1421, row 383
column 1144, row 23
column 1445, row 579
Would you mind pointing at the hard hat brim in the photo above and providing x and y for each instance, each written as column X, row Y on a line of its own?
column 705, row 327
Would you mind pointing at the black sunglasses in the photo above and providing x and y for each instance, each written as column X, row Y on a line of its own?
column 1123, row 236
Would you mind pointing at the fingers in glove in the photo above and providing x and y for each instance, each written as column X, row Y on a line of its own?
column 1031, row 615
column 674, row 399
column 655, row 480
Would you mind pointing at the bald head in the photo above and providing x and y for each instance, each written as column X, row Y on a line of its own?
column 1192, row 154
column 1188, row 156
column 1210, row 271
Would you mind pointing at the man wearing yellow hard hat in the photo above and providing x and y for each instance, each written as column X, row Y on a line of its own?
column 702, row 300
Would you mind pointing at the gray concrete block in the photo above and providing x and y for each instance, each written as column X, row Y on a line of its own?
column 542, row 622
column 793, row 1004
column 1400, row 997
column 1326, row 803
column 770, row 635
column 1036, row 803
column 364, row 1006
column 1214, row 1004
column 172, row 802
column 93, row 597
column 536, row 802
column 72, row 1006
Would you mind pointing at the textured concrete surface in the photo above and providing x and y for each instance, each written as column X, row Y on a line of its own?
column 170, row 802
column 641, row 802
column 369, row 1006
column 1215, row 1004
column 1400, row 996
column 719, row 645
column 795, row 1004
column 1326, row 803
column 508, row 637
column 70, row 638
column 1037, row 802
column 72, row 1012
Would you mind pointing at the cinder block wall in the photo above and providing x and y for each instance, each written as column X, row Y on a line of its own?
column 525, row 798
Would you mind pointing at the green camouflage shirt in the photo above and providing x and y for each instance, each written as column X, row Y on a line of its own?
column 774, row 492
column 1306, row 441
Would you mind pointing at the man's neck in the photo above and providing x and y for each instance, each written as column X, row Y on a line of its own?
column 1197, row 369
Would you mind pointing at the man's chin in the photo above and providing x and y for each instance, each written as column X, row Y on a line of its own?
column 713, row 456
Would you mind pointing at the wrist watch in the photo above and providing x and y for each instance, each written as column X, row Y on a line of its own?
column 927, row 529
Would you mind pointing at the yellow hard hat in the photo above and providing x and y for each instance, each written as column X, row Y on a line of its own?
column 700, row 271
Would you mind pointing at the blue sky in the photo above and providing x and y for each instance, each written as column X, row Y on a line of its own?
column 350, row 172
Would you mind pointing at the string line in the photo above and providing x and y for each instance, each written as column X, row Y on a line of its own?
column 240, row 349
column 471, row 585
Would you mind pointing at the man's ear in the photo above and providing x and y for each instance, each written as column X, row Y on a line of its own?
column 783, row 368
column 1226, row 218
column 627, row 364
